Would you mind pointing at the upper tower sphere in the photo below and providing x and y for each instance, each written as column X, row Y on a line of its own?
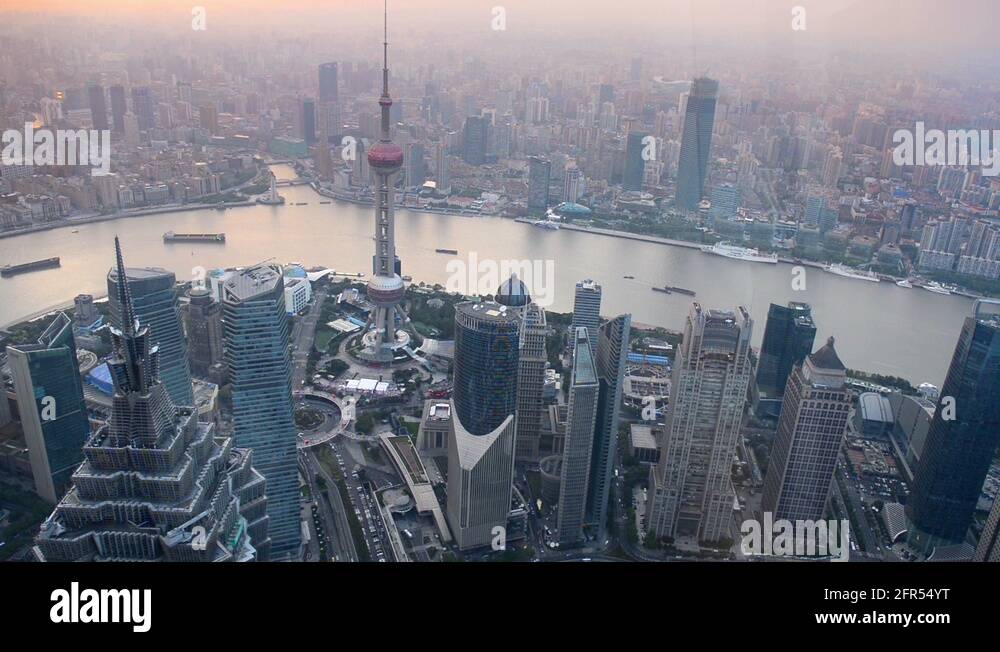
column 385, row 156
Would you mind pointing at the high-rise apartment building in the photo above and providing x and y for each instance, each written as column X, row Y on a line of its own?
column 49, row 394
column 475, row 137
column 696, row 142
column 98, row 107
column 690, row 488
column 257, row 354
column 811, row 430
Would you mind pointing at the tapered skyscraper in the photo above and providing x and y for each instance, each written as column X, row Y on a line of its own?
column 155, row 483
column 963, row 436
column 385, row 289
column 696, row 142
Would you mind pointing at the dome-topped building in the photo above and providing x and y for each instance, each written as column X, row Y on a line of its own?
column 513, row 293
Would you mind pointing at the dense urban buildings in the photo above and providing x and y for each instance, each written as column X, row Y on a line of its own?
column 690, row 489
column 256, row 344
column 155, row 483
column 814, row 411
column 203, row 327
column 963, row 436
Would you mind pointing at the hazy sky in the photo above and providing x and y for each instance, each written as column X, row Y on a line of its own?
column 957, row 27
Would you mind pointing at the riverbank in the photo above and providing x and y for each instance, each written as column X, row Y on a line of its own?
column 90, row 219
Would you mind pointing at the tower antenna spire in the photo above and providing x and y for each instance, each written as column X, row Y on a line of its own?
column 124, row 293
column 385, row 48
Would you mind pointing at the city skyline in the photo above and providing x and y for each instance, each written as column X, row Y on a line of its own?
column 572, row 290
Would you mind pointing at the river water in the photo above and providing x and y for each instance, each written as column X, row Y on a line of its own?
column 879, row 327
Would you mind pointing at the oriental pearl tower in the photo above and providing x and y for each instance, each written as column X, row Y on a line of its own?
column 385, row 289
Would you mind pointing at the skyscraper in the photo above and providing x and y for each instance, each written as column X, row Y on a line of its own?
column 119, row 107
column 579, row 442
column 696, row 142
column 98, row 107
column 328, row 82
column 481, row 442
column 474, row 150
column 690, row 488
column 203, row 325
column 441, row 176
column 587, row 308
column 612, row 354
column 635, row 165
column 963, row 436
column 531, row 364
column 539, row 177
column 257, row 354
column 989, row 542
column 385, row 289
column 305, row 120
column 788, row 338
column 155, row 484
column 810, row 433
column 50, row 400
column 142, row 106
column 155, row 303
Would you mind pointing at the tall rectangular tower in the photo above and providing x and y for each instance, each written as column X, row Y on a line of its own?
column 612, row 355
column 810, row 433
column 50, row 400
column 256, row 339
column 691, row 492
column 963, row 436
column 587, row 308
column 578, row 446
column 696, row 142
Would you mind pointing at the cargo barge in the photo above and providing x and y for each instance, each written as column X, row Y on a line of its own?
column 170, row 236
column 24, row 268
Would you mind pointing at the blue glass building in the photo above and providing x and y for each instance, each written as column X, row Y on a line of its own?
column 962, row 438
column 696, row 142
column 50, row 398
column 257, row 354
column 154, row 298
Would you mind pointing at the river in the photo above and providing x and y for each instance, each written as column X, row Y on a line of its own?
column 879, row 327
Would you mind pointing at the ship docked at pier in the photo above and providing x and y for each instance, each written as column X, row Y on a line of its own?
column 850, row 272
column 739, row 253
column 218, row 238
